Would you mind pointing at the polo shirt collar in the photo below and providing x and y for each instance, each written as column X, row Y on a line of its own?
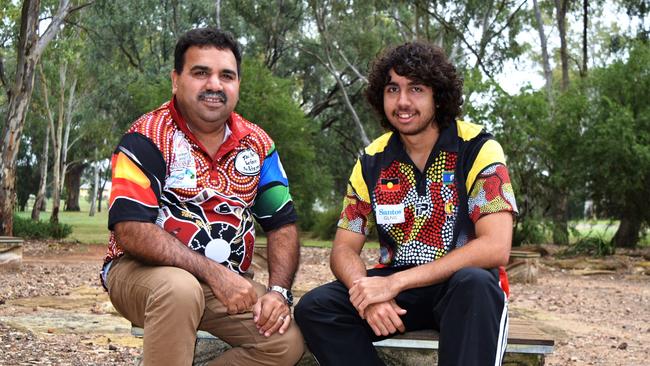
column 235, row 131
column 447, row 141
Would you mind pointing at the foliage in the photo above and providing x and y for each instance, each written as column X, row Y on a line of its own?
column 325, row 224
column 591, row 246
column 27, row 228
column 619, row 134
column 530, row 231
column 266, row 100
column 590, row 142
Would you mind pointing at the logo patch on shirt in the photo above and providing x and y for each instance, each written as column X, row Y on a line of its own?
column 390, row 214
column 447, row 177
column 423, row 206
column 389, row 185
column 182, row 170
column 449, row 208
column 247, row 162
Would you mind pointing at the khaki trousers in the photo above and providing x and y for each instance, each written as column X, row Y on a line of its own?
column 171, row 304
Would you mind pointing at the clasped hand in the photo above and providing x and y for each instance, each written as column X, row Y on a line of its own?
column 374, row 299
column 371, row 290
column 272, row 314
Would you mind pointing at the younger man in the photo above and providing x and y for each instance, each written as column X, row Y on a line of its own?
column 438, row 191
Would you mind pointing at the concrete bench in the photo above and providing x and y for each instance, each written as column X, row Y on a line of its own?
column 11, row 253
column 527, row 345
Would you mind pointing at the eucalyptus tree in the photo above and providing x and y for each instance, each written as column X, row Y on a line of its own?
column 617, row 159
column 30, row 48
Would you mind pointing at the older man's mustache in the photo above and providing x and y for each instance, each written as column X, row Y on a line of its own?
column 219, row 95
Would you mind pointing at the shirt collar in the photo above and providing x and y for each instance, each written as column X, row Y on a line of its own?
column 447, row 141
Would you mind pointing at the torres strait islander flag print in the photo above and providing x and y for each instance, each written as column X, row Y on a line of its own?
column 130, row 182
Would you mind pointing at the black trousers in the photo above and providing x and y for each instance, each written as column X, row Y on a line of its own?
column 469, row 310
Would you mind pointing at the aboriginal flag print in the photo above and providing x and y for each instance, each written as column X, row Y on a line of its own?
column 465, row 178
column 389, row 185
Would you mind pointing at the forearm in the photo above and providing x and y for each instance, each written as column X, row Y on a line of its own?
column 151, row 244
column 283, row 248
column 347, row 265
column 489, row 250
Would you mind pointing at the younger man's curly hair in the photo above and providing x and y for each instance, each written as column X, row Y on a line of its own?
column 424, row 63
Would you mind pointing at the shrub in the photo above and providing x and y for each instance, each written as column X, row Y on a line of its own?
column 27, row 228
column 530, row 231
column 325, row 224
column 592, row 246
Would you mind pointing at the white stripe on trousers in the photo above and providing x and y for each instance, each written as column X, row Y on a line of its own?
column 502, row 341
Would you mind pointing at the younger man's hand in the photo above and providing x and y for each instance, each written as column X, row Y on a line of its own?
column 384, row 318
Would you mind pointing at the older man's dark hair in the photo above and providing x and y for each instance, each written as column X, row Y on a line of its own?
column 206, row 37
column 423, row 63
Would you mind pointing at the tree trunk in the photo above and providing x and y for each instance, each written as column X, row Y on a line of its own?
column 585, row 23
column 100, row 194
column 29, row 51
column 560, row 220
column 548, row 75
column 217, row 5
column 561, row 202
column 40, row 195
column 561, row 10
column 93, row 195
column 73, row 186
column 65, row 145
column 627, row 235
column 19, row 98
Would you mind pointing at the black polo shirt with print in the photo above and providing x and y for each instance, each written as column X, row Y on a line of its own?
column 422, row 215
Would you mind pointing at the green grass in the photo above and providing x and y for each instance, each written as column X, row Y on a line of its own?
column 93, row 230
column 85, row 229
column 603, row 229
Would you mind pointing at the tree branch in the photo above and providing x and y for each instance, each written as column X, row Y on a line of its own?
column 461, row 36
column 350, row 65
column 53, row 28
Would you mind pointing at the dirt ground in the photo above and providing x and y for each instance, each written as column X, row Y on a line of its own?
column 54, row 312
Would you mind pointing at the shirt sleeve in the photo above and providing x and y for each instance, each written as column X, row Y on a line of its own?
column 138, row 169
column 492, row 192
column 357, row 215
column 273, row 205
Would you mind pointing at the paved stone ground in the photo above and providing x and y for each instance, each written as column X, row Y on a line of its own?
column 53, row 311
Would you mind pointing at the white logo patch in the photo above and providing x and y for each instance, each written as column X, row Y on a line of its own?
column 218, row 250
column 182, row 170
column 247, row 162
column 390, row 214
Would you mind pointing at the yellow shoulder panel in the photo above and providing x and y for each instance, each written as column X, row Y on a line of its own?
column 357, row 182
column 491, row 152
column 468, row 130
column 379, row 144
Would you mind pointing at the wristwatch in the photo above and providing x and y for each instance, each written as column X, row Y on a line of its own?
column 286, row 293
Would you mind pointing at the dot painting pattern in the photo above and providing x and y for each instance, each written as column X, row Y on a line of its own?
column 429, row 218
column 195, row 210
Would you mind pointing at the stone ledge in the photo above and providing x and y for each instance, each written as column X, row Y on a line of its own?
column 11, row 253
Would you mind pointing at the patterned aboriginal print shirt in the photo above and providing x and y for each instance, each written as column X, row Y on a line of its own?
column 421, row 216
column 163, row 175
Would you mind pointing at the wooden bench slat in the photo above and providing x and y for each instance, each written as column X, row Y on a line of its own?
column 523, row 337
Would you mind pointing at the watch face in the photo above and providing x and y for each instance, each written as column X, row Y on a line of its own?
column 284, row 292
